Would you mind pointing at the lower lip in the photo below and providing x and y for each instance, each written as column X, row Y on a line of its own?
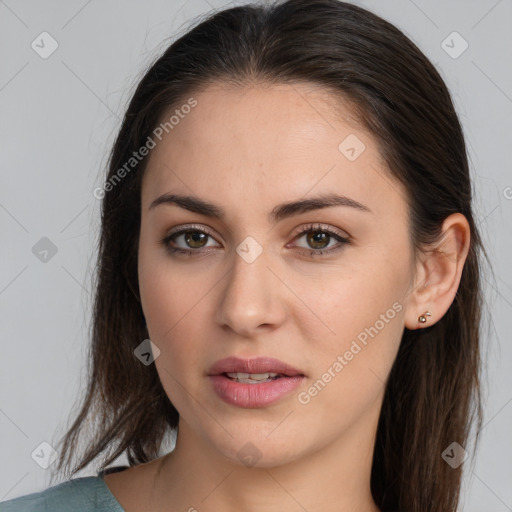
column 253, row 395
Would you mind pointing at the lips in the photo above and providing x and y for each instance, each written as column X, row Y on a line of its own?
column 256, row 365
column 269, row 381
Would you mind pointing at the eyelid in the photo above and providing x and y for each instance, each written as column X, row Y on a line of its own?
column 300, row 231
column 191, row 227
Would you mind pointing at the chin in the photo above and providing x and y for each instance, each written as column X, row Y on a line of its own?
column 258, row 450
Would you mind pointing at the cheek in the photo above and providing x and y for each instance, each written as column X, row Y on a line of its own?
column 174, row 313
column 357, row 315
column 350, row 367
column 346, row 302
column 176, row 320
column 170, row 293
column 174, row 300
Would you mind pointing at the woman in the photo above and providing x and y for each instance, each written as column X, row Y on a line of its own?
column 288, row 278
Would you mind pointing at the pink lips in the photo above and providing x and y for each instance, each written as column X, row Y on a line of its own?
column 255, row 395
column 256, row 365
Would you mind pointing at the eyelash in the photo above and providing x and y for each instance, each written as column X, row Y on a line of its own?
column 318, row 228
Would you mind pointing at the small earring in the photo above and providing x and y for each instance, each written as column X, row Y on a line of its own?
column 423, row 318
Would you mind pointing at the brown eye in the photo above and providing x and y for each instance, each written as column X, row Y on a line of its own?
column 188, row 240
column 318, row 239
column 195, row 239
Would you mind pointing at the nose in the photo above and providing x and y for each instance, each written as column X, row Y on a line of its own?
column 252, row 298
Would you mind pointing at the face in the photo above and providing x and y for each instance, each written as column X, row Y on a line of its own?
column 322, row 289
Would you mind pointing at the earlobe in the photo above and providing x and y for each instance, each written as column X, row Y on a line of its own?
column 440, row 271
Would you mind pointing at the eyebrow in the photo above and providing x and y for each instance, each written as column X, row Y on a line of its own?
column 280, row 212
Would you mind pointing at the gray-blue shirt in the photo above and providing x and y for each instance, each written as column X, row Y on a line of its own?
column 84, row 494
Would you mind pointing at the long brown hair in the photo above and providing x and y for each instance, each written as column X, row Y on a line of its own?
column 433, row 392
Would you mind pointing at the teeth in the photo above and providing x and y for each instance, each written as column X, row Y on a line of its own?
column 252, row 377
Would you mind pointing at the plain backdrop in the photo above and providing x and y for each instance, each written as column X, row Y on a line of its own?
column 59, row 116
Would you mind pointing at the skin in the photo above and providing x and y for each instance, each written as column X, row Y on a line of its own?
column 247, row 150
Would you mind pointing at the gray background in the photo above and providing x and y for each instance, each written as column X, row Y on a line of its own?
column 59, row 116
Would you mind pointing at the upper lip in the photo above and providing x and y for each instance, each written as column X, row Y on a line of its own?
column 255, row 365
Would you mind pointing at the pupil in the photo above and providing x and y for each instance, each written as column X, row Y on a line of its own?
column 318, row 239
column 193, row 237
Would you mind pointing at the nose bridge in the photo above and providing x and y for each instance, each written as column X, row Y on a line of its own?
column 250, row 295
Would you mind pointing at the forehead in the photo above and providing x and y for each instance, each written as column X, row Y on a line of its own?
column 268, row 142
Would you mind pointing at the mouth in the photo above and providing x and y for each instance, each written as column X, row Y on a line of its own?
column 253, row 383
column 257, row 370
column 253, row 378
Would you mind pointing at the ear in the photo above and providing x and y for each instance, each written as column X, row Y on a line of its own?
column 438, row 273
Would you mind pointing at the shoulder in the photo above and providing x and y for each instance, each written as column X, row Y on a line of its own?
column 85, row 494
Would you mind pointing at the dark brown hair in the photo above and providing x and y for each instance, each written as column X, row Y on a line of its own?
column 433, row 391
